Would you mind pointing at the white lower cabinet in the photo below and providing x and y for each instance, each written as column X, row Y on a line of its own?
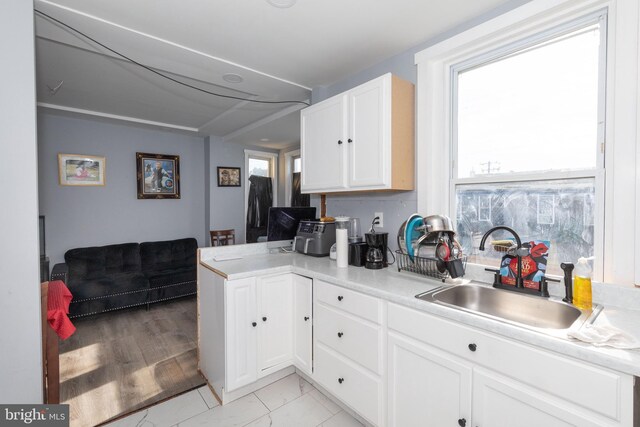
column 427, row 387
column 441, row 373
column 275, row 327
column 241, row 333
column 302, row 323
column 355, row 339
column 349, row 343
column 394, row 365
column 350, row 383
column 502, row 402
column 260, row 323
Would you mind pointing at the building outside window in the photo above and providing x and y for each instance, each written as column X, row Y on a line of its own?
column 546, row 209
column 484, row 207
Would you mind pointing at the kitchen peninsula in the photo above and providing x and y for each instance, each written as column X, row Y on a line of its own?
column 363, row 338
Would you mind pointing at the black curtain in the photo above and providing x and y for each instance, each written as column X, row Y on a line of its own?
column 260, row 200
column 298, row 199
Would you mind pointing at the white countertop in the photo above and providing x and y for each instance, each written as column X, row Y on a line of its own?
column 402, row 287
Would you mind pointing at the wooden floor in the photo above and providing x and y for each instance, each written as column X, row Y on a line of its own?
column 121, row 361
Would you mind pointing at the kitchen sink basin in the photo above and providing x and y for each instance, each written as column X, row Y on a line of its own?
column 530, row 311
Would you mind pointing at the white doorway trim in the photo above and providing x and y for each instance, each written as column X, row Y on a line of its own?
column 273, row 172
column 288, row 174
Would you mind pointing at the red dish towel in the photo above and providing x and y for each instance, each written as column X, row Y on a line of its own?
column 58, row 301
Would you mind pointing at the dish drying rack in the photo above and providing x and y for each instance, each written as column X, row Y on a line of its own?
column 423, row 266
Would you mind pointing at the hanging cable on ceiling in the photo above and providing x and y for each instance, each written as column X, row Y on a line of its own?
column 239, row 98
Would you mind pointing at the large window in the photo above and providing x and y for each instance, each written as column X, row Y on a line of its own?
column 528, row 142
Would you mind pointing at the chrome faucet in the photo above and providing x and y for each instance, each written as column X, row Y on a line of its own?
column 519, row 251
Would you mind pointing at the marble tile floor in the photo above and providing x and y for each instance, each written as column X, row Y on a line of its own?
column 289, row 402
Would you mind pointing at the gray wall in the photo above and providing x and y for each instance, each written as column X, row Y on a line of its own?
column 94, row 216
column 207, row 189
column 20, row 348
column 226, row 204
column 396, row 206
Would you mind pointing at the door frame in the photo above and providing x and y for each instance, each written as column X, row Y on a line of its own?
column 289, row 158
column 273, row 159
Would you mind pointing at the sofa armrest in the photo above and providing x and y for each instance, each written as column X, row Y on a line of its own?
column 60, row 272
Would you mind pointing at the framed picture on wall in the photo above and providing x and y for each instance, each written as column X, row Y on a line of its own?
column 228, row 177
column 80, row 170
column 158, row 176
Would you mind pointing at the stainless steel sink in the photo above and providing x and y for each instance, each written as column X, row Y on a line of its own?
column 529, row 311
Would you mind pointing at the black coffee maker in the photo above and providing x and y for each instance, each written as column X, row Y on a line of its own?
column 377, row 250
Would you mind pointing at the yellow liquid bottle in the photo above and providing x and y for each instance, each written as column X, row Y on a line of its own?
column 582, row 285
column 582, row 293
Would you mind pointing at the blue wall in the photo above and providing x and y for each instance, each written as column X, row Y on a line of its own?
column 226, row 204
column 94, row 216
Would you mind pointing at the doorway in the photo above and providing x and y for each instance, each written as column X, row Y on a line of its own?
column 261, row 192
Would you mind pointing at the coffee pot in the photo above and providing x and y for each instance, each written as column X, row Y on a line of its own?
column 377, row 250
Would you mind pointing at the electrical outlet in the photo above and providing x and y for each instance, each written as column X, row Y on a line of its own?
column 380, row 215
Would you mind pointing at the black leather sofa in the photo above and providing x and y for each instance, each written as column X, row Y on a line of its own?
column 107, row 278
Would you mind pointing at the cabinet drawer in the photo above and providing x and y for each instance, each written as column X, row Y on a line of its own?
column 350, row 336
column 367, row 307
column 356, row 388
column 596, row 389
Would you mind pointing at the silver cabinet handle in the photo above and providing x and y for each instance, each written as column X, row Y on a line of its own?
column 306, row 244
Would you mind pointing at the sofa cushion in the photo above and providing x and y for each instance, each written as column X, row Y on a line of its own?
column 109, row 293
column 168, row 254
column 108, row 285
column 172, row 276
column 100, row 261
column 107, row 303
column 159, row 294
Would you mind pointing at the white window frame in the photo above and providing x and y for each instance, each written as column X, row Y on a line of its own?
column 289, row 158
column 617, row 203
column 597, row 173
column 273, row 172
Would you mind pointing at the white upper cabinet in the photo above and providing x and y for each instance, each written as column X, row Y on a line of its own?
column 323, row 128
column 367, row 142
column 360, row 140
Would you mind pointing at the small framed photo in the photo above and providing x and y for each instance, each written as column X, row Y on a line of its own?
column 158, row 176
column 228, row 177
column 80, row 170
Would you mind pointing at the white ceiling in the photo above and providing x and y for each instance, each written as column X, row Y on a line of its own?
column 281, row 54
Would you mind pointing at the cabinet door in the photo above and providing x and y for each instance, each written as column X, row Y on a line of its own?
column 323, row 145
column 275, row 329
column 427, row 387
column 501, row 402
column 369, row 137
column 302, row 321
column 241, row 334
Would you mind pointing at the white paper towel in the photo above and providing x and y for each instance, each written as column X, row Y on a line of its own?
column 605, row 335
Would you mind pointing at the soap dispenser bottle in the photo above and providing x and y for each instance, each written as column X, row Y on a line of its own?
column 582, row 285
